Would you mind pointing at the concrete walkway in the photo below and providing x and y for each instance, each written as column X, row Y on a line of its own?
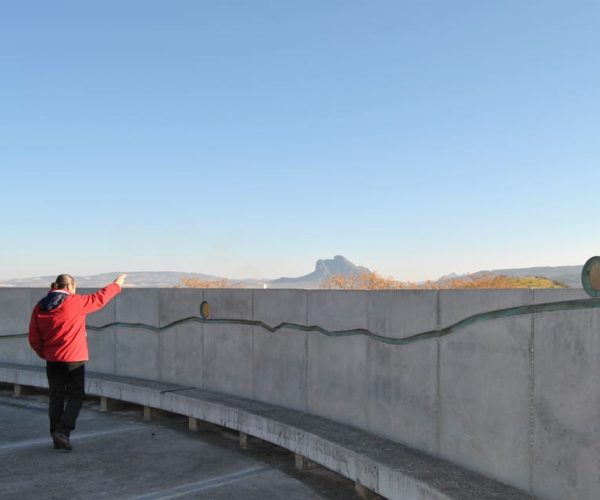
column 119, row 456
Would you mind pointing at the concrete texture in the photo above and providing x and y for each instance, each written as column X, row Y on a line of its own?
column 401, row 313
column 182, row 354
column 102, row 347
column 347, row 450
column 228, row 359
column 228, row 349
column 485, row 386
column 138, row 306
column 118, row 456
column 338, row 378
column 16, row 350
column 337, row 371
column 14, row 310
column 178, row 303
column 280, row 367
column 567, row 403
column 137, row 353
column 280, row 359
column 230, row 303
column 403, row 407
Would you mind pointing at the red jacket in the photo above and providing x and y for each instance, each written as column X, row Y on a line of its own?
column 57, row 326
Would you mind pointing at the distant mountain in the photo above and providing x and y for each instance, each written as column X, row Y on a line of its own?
column 152, row 279
column 143, row 279
column 452, row 276
column 323, row 269
column 569, row 275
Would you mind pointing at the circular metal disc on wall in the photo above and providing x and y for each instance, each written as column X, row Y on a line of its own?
column 205, row 310
column 590, row 277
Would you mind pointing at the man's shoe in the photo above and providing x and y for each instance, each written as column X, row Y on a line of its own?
column 61, row 442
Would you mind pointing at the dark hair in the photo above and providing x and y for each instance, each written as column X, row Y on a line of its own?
column 63, row 281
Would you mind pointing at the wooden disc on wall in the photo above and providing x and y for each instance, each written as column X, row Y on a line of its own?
column 590, row 277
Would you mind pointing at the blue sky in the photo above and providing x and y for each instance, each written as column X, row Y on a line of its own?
column 248, row 139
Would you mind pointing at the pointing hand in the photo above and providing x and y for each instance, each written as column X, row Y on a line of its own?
column 120, row 279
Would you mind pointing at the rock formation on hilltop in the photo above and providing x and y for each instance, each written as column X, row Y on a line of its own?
column 323, row 269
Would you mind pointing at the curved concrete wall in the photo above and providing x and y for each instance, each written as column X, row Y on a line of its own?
column 515, row 398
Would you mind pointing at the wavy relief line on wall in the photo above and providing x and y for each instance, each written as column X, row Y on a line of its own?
column 203, row 319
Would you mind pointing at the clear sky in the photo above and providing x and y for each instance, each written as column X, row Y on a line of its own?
column 250, row 138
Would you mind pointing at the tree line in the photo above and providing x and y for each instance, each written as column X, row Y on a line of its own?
column 374, row 281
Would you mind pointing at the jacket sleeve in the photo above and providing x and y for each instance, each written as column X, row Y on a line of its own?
column 99, row 299
column 35, row 335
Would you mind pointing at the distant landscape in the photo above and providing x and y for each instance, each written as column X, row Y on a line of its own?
column 325, row 274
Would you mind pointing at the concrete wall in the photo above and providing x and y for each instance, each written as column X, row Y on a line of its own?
column 515, row 398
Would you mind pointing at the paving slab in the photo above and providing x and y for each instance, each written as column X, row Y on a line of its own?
column 379, row 464
column 119, row 456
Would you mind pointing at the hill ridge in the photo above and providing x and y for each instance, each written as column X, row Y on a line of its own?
column 569, row 275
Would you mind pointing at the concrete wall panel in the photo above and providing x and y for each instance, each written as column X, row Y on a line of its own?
column 402, row 313
column 337, row 379
column 558, row 295
column 280, row 368
column 179, row 303
column 280, row 359
column 337, row 367
column 403, row 406
column 138, row 306
column 484, row 386
column 36, row 360
column 456, row 305
column 16, row 350
column 228, row 359
column 137, row 353
column 35, row 295
column 103, row 350
column 337, row 310
column 228, row 348
column 229, row 303
column 567, row 402
column 278, row 306
column 15, row 310
column 402, row 393
column 181, row 354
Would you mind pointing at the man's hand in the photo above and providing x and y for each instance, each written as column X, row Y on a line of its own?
column 120, row 279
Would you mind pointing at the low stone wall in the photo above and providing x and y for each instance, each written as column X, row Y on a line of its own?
column 514, row 398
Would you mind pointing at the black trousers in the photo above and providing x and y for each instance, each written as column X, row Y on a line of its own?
column 66, row 382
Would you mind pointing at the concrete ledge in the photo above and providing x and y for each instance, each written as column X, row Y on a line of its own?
column 383, row 466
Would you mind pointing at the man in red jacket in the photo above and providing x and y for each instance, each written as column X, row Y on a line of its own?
column 57, row 334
